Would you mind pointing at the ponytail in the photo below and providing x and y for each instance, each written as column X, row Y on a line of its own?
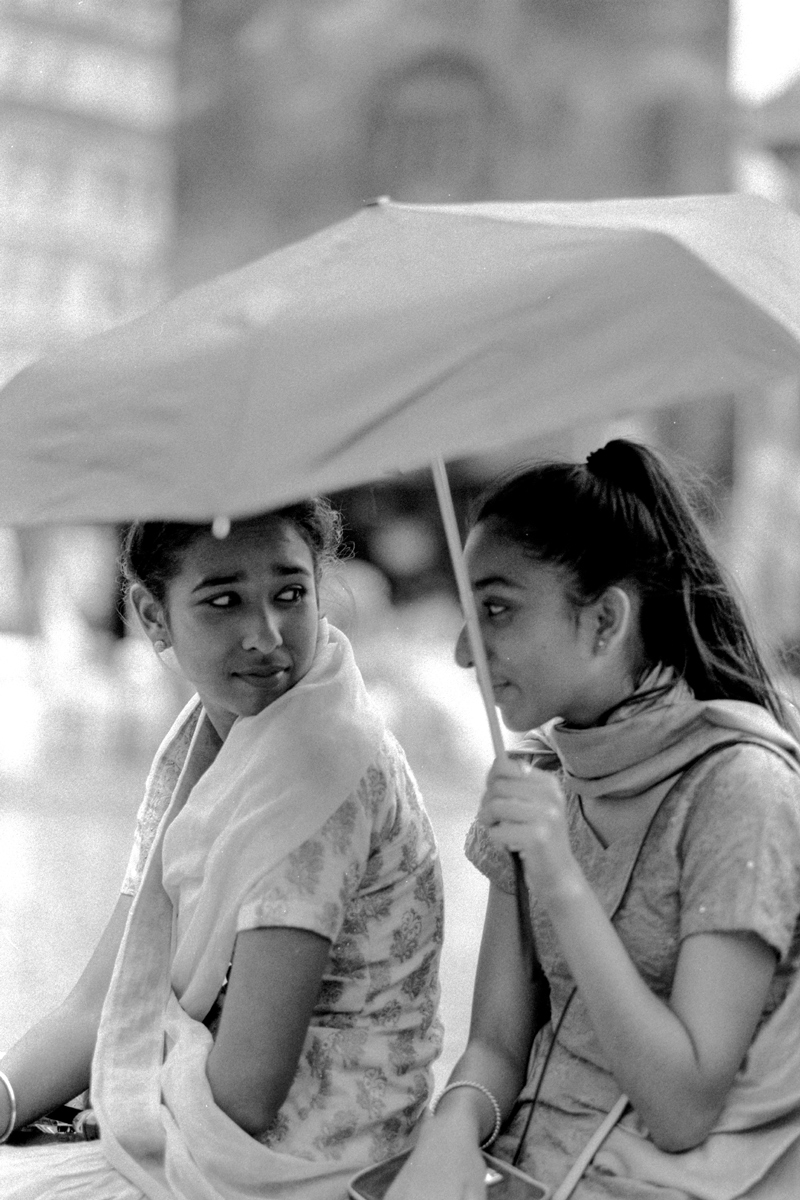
column 623, row 517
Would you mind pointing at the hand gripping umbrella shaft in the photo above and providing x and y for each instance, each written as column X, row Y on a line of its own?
column 482, row 671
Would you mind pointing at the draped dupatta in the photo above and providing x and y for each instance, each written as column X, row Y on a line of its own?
column 235, row 812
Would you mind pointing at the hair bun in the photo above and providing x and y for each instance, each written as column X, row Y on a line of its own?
column 618, row 463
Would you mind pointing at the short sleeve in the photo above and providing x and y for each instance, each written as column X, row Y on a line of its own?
column 310, row 888
column 741, row 849
column 496, row 864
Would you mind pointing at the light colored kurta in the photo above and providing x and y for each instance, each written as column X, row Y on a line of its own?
column 369, row 880
column 307, row 816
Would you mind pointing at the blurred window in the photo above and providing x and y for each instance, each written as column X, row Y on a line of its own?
column 430, row 132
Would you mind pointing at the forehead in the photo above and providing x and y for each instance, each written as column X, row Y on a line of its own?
column 487, row 548
column 252, row 546
column 496, row 560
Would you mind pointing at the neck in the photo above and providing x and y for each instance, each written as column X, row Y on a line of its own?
column 598, row 708
column 220, row 720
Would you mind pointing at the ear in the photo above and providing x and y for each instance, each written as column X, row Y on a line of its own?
column 611, row 618
column 150, row 613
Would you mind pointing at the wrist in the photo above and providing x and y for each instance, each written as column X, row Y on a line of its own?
column 564, row 895
column 470, row 1101
column 457, row 1112
column 8, row 1108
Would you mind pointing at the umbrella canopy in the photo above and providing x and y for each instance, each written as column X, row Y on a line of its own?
column 403, row 332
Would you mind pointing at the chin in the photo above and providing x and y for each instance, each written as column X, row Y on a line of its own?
column 515, row 722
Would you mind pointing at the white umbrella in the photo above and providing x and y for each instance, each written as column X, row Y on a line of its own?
column 404, row 332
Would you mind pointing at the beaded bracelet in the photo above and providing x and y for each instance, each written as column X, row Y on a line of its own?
column 12, row 1120
column 498, row 1117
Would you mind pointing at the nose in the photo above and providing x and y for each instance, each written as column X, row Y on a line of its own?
column 463, row 655
column 262, row 631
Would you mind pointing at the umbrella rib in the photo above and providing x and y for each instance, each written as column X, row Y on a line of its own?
column 400, row 406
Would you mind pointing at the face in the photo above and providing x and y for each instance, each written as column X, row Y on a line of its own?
column 242, row 617
column 539, row 647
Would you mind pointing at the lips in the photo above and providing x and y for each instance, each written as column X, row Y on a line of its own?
column 263, row 675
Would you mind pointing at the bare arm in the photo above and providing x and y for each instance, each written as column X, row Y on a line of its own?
column 273, row 986
column 509, row 1005
column 51, row 1063
column 677, row 1060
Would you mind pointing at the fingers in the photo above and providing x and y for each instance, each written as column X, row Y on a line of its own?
column 528, row 823
column 521, row 811
column 536, row 788
column 525, row 837
column 511, row 773
column 511, row 768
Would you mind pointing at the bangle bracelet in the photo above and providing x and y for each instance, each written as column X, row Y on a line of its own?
column 498, row 1116
column 12, row 1120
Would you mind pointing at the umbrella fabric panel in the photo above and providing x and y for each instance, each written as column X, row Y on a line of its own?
column 752, row 243
column 556, row 332
column 400, row 333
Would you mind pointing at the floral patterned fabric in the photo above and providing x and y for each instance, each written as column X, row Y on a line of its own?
column 370, row 882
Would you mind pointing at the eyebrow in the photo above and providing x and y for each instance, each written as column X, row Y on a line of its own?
column 283, row 569
column 494, row 581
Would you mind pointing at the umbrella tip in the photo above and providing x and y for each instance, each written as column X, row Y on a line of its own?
column 376, row 200
column 221, row 527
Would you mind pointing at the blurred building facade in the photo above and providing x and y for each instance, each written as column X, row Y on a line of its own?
column 87, row 108
column 148, row 144
column 86, row 167
column 293, row 114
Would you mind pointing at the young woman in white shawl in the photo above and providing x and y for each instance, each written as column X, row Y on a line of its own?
column 259, row 1017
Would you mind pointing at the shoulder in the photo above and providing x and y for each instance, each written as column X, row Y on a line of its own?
column 740, row 804
column 388, row 785
column 739, row 846
column 748, row 779
column 386, row 807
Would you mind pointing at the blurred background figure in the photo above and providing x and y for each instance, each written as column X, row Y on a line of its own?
column 146, row 145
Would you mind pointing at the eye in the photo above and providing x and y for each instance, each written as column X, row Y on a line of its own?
column 292, row 594
column 494, row 608
column 223, row 600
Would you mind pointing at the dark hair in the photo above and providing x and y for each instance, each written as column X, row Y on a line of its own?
column 623, row 516
column 152, row 550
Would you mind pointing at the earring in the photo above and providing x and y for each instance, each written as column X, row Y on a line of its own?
column 601, row 643
column 160, row 646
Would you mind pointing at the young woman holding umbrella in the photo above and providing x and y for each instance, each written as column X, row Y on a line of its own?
column 268, row 980
column 642, row 940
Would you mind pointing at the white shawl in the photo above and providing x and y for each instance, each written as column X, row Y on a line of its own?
column 276, row 779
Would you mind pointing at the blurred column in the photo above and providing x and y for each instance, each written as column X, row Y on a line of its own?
column 86, row 113
column 763, row 542
column 87, row 103
column 86, row 184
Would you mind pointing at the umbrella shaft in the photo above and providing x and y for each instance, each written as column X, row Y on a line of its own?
column 470, row 611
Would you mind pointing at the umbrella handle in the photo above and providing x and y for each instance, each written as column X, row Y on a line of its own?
column 470, row 611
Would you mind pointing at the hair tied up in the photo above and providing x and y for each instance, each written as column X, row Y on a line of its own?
column 617, row 463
